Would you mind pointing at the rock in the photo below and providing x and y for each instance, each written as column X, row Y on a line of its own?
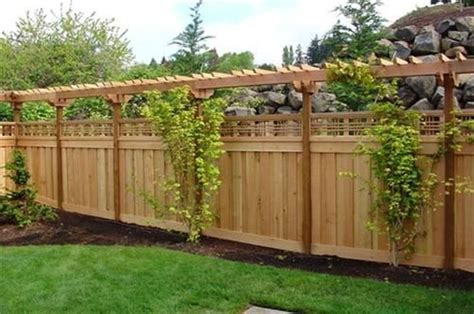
column 402, row 49
column 465, row 24
column 422, row 104
column 464, row 78
column 469, row 105
column 406, row 33
column 386, row 47
column 407, row 96
column 295, row 99
column 458, row 93
column 239, row 111
column 445, row 26
column 451, row 53
column 390, row 34
column 468, row 92
column 438, row 96
column 321, row 102
column 338, row 106
column 441, row 103
column 429, row 58
column 458, row 36
column 279, row 88
column 424, row 86
column 285, row 110
column 469, row 44
column 266, row 109
column 277, row 98
column 448, row 43
column 263, row 88
column 427, row 28
column 427, row 42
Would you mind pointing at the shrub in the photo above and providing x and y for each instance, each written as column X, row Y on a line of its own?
column 19, row 205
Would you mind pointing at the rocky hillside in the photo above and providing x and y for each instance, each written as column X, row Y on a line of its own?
column 424, row 33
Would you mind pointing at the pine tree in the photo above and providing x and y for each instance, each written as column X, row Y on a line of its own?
column 153, row 63
column 192, row 44
column 299, row 57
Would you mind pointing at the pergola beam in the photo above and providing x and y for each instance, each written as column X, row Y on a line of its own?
column 241, row 79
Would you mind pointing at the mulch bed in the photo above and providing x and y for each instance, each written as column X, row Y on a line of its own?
column 77, row 229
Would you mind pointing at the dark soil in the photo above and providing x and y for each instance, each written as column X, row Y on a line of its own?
column 78, row 229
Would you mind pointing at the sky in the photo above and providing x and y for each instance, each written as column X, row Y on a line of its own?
column 263, row 27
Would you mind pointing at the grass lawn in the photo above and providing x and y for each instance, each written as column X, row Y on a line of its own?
column 138, row 279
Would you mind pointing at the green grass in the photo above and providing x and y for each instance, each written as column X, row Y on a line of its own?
column 99, row 279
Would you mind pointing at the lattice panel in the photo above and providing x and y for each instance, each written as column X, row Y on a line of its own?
column 87, row 128
column 341, row 124
column 466, row 115
column 136, row 127
column 262, row 126
column 37, row 129
column 7, row 129
column 432, row 123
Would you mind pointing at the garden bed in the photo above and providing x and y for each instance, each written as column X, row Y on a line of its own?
column 78, row 229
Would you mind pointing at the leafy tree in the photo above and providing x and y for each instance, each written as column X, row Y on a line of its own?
column 235, row 61
column 359, row 38
column 60, row 48
column 288, row 57
column 299, row 57
column 191, row 55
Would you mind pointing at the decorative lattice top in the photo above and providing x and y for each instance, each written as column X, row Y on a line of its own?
column 136, row 127
column 87, row 128
column 266, row 126
column 37, row 129
column 7, row 129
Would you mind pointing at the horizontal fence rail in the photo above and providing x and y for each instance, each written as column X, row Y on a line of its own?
column 261, row 197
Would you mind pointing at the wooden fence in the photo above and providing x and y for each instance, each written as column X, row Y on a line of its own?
column 261, row 197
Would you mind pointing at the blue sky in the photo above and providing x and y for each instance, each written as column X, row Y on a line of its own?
column 260, row 26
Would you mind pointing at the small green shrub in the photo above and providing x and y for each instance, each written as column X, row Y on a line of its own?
column 19, row 205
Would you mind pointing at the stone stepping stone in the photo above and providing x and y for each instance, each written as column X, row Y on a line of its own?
column 262, row 310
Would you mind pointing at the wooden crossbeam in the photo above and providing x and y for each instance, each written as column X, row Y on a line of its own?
column 283, row 75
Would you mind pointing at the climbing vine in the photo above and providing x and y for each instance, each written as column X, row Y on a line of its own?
column 19, row 205
column 405, row 182
column 194, row 146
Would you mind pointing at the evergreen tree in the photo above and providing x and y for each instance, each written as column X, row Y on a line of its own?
column 299, row 57
column 288, row 57
column 192, row 45
column 360, row 37
column 153, row 63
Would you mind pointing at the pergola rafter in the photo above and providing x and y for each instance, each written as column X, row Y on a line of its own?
column 255, row 77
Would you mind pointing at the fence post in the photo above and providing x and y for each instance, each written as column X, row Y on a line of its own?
column 116, row 101
column 450, row 173
column 59, row 154
column 308, row 89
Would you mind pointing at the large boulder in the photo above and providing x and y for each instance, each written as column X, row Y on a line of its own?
column 239, row 111
column 422, row 104
column 448, row 43
column 402, row 49
column 407, row 96
column 429, row 58
column 427, row 42
column 458, row 36
column 469, row 105
column 445, row 26
column 468, row 93
column 406, row 33
column 441, row 103
column 469, row 44
column 276, row 98
column 424, row 86
column 322, row 102
column 285, row 110
column 437, row 96
column 465, row 24
column 295, row 99
column 264, row 109
column 451, row 53
column 387, row 47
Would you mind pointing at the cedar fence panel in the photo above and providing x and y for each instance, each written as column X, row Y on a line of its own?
column 260, row 200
